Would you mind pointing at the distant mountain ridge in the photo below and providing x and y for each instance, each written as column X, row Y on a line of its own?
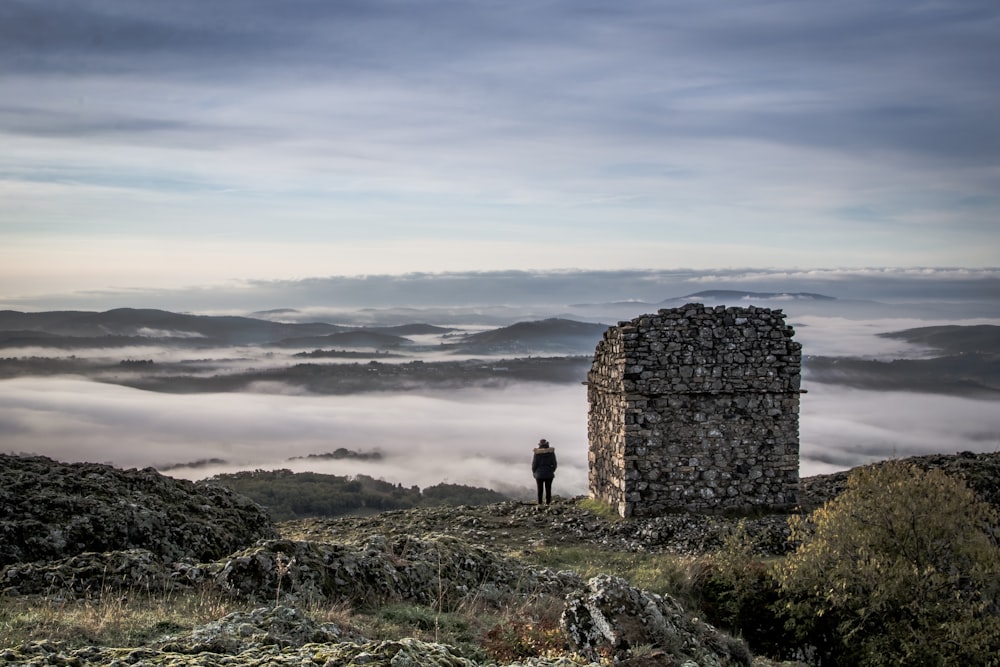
column 359, row 338
column 134, row 326
column 733, row 297
column 159, row 324
column 740, row 295
column 968, row 363
column 551, row 335
column 954, row 338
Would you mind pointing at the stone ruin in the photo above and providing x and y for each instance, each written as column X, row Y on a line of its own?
column 695, row 409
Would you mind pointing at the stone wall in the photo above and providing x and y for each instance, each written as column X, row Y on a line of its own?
column 695, row 408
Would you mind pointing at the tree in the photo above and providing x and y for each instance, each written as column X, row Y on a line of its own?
column 901, row 568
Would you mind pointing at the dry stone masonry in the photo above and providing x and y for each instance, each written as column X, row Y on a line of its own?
column 696, row 408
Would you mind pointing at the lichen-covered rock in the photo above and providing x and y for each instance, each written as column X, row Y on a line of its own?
column 516, row 526
column 436, row 569
column 275, row 625
column 391, row 653
column 399, row 653
column 91, row 574
column 51, row 510
column 608, row 617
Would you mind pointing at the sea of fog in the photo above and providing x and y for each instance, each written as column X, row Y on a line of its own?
column 481, row 437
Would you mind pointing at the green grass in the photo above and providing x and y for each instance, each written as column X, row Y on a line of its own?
column 600, row 509
column 659, row 573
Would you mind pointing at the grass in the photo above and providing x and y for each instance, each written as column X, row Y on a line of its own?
column 600, row 509
column 112, row 619
column 659, row 573
column 500, row 629
column 479, row 630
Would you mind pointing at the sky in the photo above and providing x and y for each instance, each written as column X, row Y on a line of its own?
column 187, row 144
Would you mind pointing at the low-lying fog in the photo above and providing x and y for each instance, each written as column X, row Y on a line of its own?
column 480, row 437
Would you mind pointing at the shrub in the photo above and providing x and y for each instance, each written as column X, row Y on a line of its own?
column 739, row 592
column 518, row 640
column 902, row 568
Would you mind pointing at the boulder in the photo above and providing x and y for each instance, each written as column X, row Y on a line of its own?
column 275, row 625
column 433, row 570
column 608, row 618
column 91, row 575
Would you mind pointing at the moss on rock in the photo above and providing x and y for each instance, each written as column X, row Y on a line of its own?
column 51, row 510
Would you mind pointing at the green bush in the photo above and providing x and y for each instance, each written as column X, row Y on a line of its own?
column 738, row 591
column 903, row 568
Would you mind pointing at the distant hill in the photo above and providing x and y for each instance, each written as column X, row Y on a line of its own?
column 973, row 374
column 137, row 326
column 412, row 330
column 14, row 339
column 27, row 337
column 549, row 335
column 150, row 324
column 358, row 338
column 288, row 495
column 634, row 307
column 735, row 296
column 968, row 366
column 273, row 312
column 954, row 339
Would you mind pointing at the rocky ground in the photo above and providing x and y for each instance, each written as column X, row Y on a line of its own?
column 70, row 530
column 50, row 510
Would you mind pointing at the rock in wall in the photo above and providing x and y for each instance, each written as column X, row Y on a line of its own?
column 695, row 408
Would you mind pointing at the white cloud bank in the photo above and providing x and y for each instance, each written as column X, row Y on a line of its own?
column 841, row 428
column 474, row 437
column 479, row 437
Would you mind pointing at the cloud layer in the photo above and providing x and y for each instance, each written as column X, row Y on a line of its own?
column 475, row 437
column 482, row 438
column 252, row 140
column 447, row 297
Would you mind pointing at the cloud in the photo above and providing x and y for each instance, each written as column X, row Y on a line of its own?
column 482, row 438
column 841, row 428
column 847, row 337
column 452, row 295
column 475, row 126
column 835, row 275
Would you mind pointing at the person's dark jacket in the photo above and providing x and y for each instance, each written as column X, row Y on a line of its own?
column 543, row 463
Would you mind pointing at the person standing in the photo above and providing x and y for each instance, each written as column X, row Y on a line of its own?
column 543, row 467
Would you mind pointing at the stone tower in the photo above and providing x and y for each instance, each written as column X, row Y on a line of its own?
column 695, row 408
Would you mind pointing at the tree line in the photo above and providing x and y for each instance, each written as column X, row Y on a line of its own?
column 289, row 495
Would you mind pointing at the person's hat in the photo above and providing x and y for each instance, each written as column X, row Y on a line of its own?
column 543, row 442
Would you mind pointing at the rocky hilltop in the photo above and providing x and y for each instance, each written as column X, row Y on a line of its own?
column 77, row 531
column 51, row 510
